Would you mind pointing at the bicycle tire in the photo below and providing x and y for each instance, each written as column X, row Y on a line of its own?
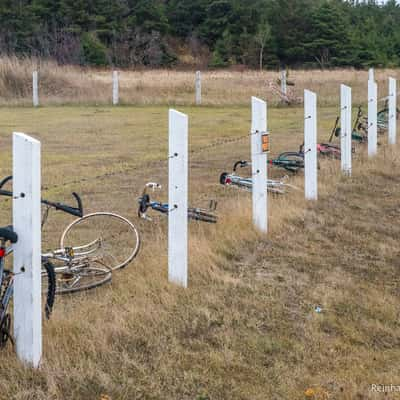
column 72, row 279
column 201, row 215
column 292, row 165
column 51, row 287
column 121, row 247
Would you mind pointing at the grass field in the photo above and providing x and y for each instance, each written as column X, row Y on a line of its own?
column 70, row 85
column 246, row 326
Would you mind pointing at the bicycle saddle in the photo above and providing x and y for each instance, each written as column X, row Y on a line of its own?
column 7, row 233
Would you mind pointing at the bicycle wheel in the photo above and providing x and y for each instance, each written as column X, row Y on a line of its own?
column 291, row 161
column 82, row 273
column 49, row 286
column 198, row 214
column 107, row 238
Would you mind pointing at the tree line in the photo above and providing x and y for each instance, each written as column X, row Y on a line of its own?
column 213, row 33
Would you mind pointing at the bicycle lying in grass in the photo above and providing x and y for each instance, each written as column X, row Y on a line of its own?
column 7, row 238
column 328, row 150
column 246, row 183
column 90, row 248
column 197, row 214
column 291, row 161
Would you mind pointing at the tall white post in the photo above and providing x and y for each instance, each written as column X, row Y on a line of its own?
column 283, row 81
column 178, row 199
column 259, row 164
column 27, row 251
column 371, row 74
column 115, row 76
column 372, row 118
column 392, row 119
column 310, row 146
column 345, row 128
column 198, row 88
column 35, row 89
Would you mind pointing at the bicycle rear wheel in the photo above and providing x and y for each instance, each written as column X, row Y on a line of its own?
column 291, row 161
column 107, row 238
column 198, row 214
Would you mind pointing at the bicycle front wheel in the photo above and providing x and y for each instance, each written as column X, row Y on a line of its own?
column 79, row 275
column 106, row 238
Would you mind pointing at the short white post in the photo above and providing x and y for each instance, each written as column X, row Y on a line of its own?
column 115, row 76
column 310, row 146
column 259, row 164
column 198, row 88
column 283, row 82
column 371, row 74
column 178, row 199
column 392, row 114
column 27, row 251
column 35, row 89
column 372, row 118
column 345, row 128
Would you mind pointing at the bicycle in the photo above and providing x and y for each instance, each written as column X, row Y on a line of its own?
column 383, row 118
column 245, row 183
column 194, row 213
column 360, row 128
column 291, row 161
column 328, row 150
column 7, row 235
column 90, row 247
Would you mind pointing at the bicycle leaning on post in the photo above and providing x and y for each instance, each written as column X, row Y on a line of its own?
column 7, row 238
column 90, row 248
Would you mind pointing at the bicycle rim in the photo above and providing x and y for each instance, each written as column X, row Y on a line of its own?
column 84, row 275
column 107, row 238
column 200, row 215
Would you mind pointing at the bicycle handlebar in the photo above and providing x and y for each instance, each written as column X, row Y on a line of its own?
column 241, row 164
column 5, row 180
column 153, row 185
column 76, row 211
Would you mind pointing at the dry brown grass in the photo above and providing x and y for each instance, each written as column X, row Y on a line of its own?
column 74, row 85
column 246, row 326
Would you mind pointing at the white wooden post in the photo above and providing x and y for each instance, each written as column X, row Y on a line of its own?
column 178, row 199
column 198, row 88
column 259, row 164
column 35, row 89
column 371, row 75
column 345, row 128
column 392, row 119
column 283, row 82
column 115, row 76
column 310, row 146
column 27, row 251
column 372, row 118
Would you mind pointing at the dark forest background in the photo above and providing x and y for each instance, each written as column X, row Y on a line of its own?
column 213, row 33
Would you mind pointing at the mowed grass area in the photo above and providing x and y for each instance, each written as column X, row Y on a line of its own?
column 246, row 326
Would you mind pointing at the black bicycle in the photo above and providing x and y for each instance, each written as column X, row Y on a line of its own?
column 197, row 214
column 7, row 238
column 291, row 161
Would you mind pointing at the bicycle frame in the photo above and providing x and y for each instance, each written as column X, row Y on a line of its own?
column 194, row 213
column 246, row 183
column 9, row 289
